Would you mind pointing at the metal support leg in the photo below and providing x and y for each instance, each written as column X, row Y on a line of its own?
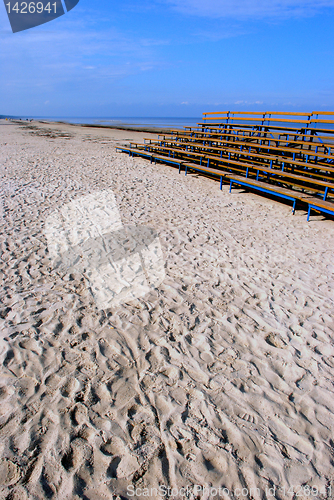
column 294, row 207
column 179, row 167
column 221, row 183
column 257, row 175
column 326, row 192
column 185, row 173
column 308, row 214
column 231, row 185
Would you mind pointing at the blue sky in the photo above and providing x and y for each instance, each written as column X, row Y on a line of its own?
column 171, row 58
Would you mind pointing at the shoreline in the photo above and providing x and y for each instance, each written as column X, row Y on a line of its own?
column 151, row 130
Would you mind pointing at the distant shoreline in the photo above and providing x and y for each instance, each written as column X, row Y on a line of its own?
column 120, row 127
column 125, row 126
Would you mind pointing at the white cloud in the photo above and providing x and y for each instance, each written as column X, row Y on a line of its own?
column 50, row 58
column 250, row 8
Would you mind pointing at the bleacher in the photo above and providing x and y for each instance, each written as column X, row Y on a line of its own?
column 287, row 155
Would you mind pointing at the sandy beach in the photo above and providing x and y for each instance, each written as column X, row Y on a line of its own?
column 216, row 381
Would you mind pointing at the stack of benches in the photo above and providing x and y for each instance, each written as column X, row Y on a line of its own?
column 288, row 155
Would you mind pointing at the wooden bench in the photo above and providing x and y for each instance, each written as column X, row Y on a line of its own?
column 294, row 151
column 228, row 146
column 307, row 147
column 270, row 116
column 310, row 141
column 271, row 127
column 254, row 151
column 305, row 169
column 256, row 135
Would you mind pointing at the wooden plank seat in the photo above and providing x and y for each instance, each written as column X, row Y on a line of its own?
column 211, row 171
column 309, row 167
column 251, row 136
column 284, row 163
column 265, row 140
column 264, row 121
column 269, row 147
column 259, row 167
column 191, row 156
column 306, row 147
column 259, row 137
column 153, row 147
column 312, row 202
column 263, row 187
column 247, row 153
column 250, row 183
column 186, row 164
column 228, row 129
column 271, row 117
column 301, row 130
column 260, row 116
column 273, row 162
column 301, row 181
column 326, row 207
column 283, row 130
column 268, row 125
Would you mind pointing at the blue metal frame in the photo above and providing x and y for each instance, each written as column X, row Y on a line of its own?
column 320, row 209
column 257, row 188
column 205, row 172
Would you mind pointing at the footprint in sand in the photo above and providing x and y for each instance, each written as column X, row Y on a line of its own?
column 9, row 473
column 120, row 263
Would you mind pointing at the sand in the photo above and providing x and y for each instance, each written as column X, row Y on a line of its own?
column 220, row 375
